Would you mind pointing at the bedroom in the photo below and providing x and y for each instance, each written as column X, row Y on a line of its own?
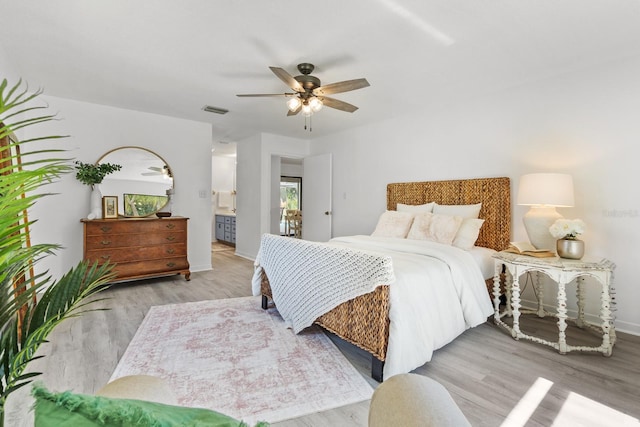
column 564, row 97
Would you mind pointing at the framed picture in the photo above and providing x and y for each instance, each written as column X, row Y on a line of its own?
column 109, row 207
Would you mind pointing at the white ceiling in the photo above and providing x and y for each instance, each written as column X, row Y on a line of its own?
column 173, row 57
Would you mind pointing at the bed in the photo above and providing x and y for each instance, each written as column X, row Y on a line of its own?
column 365, row 320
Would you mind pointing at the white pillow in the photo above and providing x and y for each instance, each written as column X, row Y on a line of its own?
column 465, row 211
column 434, row 227
column 393, row 224
column 428, row 207
column 468, row 233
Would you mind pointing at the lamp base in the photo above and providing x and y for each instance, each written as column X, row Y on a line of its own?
column 537, row 222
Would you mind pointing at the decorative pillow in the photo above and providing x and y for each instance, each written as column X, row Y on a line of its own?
column 465, row 211
column 79, row 410
column 468, row 233
column 393, row 224
column 435, row 227
column 428, row 207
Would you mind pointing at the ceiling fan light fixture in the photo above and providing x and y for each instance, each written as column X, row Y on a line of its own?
column 307, row 110
column 294, row 103
column 315, row 104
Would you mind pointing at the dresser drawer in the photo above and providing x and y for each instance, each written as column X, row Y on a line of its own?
column 143, row 268
column 131, row 240
column 99, row 228
column 136, row 253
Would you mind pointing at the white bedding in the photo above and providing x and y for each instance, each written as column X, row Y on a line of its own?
column 439, row 292
column 484, row 258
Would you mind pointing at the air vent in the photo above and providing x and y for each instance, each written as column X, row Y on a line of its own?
column 217, row 110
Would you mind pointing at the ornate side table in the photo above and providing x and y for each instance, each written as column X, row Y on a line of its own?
column 562, row 271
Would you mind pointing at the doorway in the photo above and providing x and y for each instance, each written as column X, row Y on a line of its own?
column 290, row 201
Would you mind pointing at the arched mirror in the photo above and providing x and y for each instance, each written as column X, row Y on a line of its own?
column 143, row 185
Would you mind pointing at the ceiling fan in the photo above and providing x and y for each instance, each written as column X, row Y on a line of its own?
column 309, row 95
column 154, row 170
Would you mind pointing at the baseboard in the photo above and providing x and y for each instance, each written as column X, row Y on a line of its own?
column 621, row 326
column 628, row 327
column 196, row 268
column 245, row 256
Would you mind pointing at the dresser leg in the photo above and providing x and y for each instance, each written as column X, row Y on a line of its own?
column 187, row 276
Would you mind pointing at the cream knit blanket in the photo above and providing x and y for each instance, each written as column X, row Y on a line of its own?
column 308, row 279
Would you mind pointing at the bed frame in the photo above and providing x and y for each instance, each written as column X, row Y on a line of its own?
column 364, row 321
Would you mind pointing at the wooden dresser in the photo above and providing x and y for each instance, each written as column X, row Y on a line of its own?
column 140, row 247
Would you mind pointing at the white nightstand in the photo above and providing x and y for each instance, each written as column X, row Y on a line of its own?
column 562, row 271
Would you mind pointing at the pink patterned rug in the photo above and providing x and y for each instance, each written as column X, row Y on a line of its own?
column 231, row 356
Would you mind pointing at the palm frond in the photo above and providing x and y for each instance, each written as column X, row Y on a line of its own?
column 22, row 176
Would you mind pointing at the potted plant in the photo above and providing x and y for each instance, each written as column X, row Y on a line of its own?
column 92, row 174
column 567, row 232
column 31, row 305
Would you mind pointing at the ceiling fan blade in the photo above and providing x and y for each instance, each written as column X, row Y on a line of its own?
column 337, row 104
column 287, row 78
column 266, row 94
column 294, row 112
column 340, row 87
column 150, row 173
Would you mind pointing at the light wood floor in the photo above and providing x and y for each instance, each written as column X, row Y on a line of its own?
column 485, row 370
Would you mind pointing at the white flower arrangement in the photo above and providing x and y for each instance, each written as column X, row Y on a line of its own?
column 567, row 228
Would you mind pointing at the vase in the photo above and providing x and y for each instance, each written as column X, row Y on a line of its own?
column 570, row 248
column 96, row 203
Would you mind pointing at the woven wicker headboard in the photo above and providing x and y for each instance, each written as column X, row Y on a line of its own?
column 493, row 193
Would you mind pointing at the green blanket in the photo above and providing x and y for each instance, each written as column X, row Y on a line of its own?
column 68, row 409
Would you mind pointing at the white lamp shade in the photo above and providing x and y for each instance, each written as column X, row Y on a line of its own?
column 546, row 189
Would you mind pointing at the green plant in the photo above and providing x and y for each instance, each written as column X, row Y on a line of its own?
column 91, row 174
column 31, row 305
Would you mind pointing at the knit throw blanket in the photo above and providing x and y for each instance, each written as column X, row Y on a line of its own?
column 308, row 279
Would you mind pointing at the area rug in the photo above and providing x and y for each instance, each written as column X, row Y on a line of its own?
column 232, row 356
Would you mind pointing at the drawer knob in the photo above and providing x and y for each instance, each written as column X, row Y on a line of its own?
column 106, row 242
column 170, row 226
column 105, row 228
column 171, row 238
column 170, row 250
column 105, row 256
column 171, row 264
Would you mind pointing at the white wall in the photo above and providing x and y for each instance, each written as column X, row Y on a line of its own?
column 223, row 171
column 255, row 180
column 288, row 169
column 223, row 178
column 96, row 129
column 248, row 215
column 274, row 205
column 7, row 69
column 584, row 124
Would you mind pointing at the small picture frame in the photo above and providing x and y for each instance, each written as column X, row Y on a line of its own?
column 109, row 207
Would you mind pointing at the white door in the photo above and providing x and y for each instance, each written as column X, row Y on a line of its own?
column 316, row 198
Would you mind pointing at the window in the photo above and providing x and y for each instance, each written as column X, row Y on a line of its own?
column 290, row 198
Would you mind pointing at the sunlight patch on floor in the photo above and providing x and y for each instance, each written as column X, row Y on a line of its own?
column 521, row 413
column 576, row 410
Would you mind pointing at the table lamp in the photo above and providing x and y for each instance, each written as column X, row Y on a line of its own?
column 544, row 192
